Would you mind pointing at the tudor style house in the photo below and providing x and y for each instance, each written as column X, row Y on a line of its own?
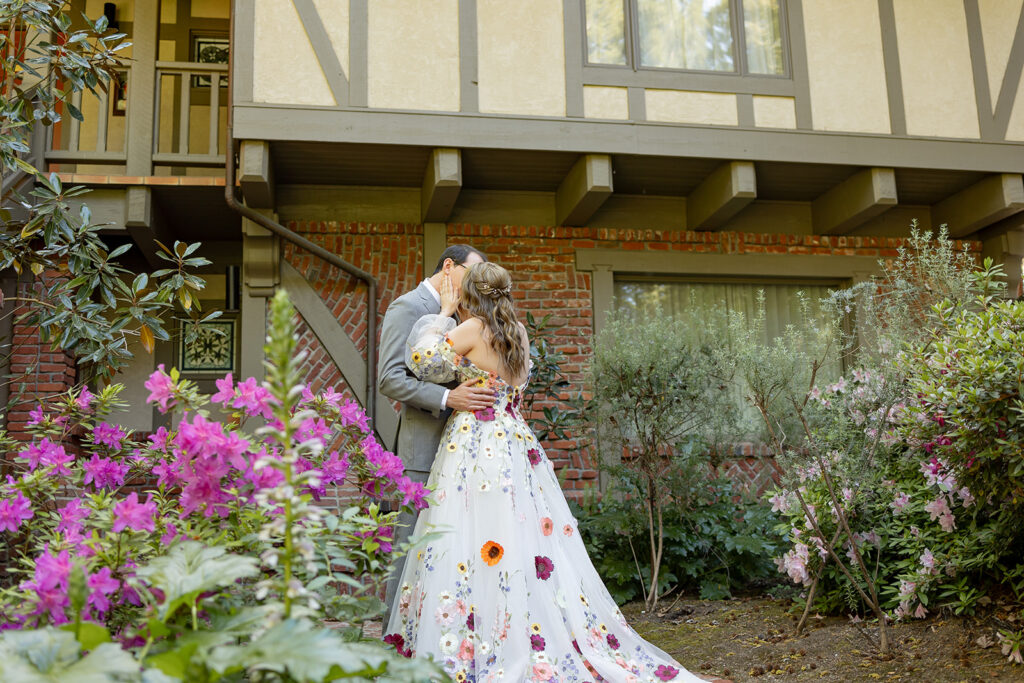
column 599, row 149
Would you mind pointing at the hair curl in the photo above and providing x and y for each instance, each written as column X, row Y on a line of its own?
column 487, row 295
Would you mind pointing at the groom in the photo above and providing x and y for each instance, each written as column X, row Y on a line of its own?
column 425, row 406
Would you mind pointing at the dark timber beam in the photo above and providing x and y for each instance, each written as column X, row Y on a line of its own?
column 442, row 183
column 728, row 189
column 854, row 201
column 255, row 174
column 987, row 201
column 584, row 189
column 144, row 224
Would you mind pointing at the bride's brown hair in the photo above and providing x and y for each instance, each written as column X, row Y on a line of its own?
column 487, row 294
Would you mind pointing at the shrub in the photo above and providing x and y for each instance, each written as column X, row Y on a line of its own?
column 226, row 565
column 660, row 399
column 717, row 540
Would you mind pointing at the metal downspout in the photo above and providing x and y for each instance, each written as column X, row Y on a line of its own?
column 298, row 240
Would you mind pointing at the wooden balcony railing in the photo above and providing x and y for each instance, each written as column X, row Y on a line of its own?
column 186, row 128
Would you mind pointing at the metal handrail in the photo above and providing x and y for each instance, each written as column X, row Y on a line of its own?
column 303, row 243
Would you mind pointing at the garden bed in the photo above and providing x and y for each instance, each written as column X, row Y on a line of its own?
column 751, row 639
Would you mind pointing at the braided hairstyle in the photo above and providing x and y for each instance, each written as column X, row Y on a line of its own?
column 487, row 295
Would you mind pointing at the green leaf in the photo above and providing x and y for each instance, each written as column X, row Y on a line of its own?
column 49, row 654
column 173, row 662
column 191, row 568
column 89, row 634
column 303, row 651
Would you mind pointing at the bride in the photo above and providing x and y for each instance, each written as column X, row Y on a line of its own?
column 504, row 591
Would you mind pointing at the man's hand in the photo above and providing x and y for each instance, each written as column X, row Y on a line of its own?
column 469, row 396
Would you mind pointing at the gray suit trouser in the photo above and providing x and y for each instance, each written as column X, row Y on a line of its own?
column 406, row 524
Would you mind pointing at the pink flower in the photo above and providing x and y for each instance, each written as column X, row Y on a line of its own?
column 534, row 455
column 170, row 533
column 14, row 511
column 537, row 642
column 899, row 501
column 485, row 415
column 546, row 526
column 225, row 390
column 351, row 414
column 253, row 398
column 101, row 584
column 920, row 612
column 666, row 673
column 158, row 439
column 161, row 388
column 780, row 502
column 109, row 435
column 542, row 671
column 928, row 560
column 466, row 649
column 334, row 468
column 130, row 514
column 35, row 416
column 71, row 516
column 937, row 507
column 613, row 642
column 314, row 429
column 544, row 567
column 947, row 521
column 104, row 472
column 84, row 400
column 412, row 492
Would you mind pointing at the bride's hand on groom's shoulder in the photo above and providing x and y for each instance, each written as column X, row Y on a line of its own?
column 468, row 396
column 449, row 297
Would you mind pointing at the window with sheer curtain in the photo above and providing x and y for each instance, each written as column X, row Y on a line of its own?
column 653, row 296
column 738, row 36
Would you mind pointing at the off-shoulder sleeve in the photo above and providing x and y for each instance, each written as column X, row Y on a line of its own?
column 428, row 353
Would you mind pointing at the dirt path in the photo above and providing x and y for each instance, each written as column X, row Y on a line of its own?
column 752, row 640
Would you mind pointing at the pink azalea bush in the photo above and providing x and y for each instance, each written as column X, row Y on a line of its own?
column 920, row 446
column 95, row 518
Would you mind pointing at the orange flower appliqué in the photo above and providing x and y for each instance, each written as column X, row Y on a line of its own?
column 546, row 526
column 492, row 553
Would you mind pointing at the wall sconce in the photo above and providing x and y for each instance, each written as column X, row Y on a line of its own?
column 110, row 12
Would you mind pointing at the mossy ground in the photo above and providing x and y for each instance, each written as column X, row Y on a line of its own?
column 753, row 639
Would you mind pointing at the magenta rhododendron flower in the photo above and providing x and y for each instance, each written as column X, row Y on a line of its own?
column 225, row 390
column 35, row 416
column 412, row 492
column 84, row 400
column 101, row 584
column 71, row 516
column 161, row 388
column 129, row 513
column 158, row 439
column 314, row 429
column 899, row 501
column 351, row 414
column 253, row 398
column 14, row 511
column 104, row 472
column 108, row 435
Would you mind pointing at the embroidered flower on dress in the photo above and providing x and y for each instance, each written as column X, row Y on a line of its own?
column 461, row 566
column 416, row 357
column 534, row 455
column 449, row 643
column 666, row 673
column 534, row 628
column 492, row 553
column 485, row 415
column 537, row 642
column 613, row 642
column 546, row 526
column 567, row 530
column 544, row 567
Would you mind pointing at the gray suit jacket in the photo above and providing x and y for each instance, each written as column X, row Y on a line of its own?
column 422, row 420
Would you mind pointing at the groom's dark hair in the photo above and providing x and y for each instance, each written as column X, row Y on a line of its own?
column 458, row 253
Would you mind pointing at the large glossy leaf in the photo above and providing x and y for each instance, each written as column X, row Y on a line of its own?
column 304, row 652
column 191, row 568
column 49, row 654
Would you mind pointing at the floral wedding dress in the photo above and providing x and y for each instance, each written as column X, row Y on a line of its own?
column 505, row 590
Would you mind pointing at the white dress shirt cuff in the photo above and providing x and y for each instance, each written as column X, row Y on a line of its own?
column 444, row 399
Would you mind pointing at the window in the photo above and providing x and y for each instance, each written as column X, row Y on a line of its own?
column 666, row 295
column 737, row 36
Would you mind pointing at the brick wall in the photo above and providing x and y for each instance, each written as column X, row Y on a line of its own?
column 37, row 373
column 542, row 263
